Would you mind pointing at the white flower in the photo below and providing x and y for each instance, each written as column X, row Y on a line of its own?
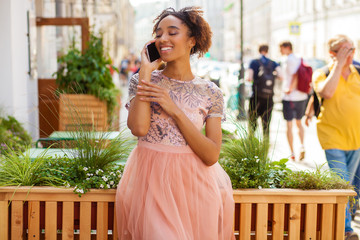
column 111, row 182
column 87, row 179
column 112, row 174
column 259, row 187
column 85, row 169
column 88, row 174
column 67, row 185
column 101, row 186
column 104, row 178
column 79, row 190
column 108, row 186
column 97, row 172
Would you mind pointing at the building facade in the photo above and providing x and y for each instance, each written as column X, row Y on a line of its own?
column 29, row 52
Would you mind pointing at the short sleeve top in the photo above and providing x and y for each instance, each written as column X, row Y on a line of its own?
column 199, row 99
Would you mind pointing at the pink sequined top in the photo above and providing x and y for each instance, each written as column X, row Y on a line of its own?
column 199, row 99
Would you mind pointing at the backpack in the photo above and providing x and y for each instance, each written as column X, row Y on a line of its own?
column 263, row 85
column 318, row 102
column 304, row 74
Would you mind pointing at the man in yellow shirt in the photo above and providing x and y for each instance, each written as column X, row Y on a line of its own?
column 338, row 125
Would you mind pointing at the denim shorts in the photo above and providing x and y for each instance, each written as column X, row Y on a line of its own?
column 294, row 109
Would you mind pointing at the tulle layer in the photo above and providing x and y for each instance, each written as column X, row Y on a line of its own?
column 166, row 192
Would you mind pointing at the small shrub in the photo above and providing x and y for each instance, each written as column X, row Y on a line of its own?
column 82, row 178
column 13, row 136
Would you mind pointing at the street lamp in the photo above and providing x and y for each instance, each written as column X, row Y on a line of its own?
column 241, row 89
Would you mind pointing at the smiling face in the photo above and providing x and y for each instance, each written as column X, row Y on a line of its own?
column 172, row 39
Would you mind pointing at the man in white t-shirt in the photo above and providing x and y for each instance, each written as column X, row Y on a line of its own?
column 294, row 101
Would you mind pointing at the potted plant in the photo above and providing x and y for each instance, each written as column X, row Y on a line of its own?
column 272, row 200
column 87, row 73
column 63, row 194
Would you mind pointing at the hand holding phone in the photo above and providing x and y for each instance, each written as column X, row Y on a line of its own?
column 152, row 52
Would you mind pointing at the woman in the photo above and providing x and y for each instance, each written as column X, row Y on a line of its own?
column 173, row 187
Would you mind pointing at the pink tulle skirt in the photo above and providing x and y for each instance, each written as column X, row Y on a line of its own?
column 166, row 192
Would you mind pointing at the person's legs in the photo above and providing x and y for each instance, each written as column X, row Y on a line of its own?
column 352, row 162
column 289, row 116
column 337, row 161
column 300, row 108
column 267, row 108
column 252, row 114
column 356, row 182
column 290, row 137
column 301, row 136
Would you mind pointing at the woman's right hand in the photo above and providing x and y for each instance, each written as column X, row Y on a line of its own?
column 146, row 65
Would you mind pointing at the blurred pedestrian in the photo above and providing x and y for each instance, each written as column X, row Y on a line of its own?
column 173, row 186
column 262, row 72
column 124, row 70
column 294, row 101
column 338, row 125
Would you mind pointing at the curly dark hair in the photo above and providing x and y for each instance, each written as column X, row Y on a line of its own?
column 198, row 27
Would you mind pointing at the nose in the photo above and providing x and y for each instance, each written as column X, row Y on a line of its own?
column 163, row 38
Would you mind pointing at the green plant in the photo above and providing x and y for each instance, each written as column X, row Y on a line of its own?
column 88, row 72
column 19, row 169
column 99, row 152
column 318, row 179
column 12, row 135
column 95, row 161
column 82, row 179
column 245, row 159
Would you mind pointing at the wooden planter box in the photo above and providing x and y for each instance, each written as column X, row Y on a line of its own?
column 290, row 214
column 82, row 110
column 58, row 213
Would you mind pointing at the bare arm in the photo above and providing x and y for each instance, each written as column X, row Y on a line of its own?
column 207, row 148
column 279, row 73
column 139, row 112
column 326, row 89
column 249, row 75
column 309, row 112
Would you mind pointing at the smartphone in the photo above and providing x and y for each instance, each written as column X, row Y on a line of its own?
column 152, row 52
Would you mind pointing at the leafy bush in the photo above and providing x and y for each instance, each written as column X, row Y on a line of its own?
column 88, row 72
column 12, row 136
column 244, row 157
column 93, row 163
column 83, row 178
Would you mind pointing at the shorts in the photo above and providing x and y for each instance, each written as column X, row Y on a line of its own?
column 294, row 109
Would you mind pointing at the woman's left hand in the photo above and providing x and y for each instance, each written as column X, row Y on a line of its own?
column 150, row 92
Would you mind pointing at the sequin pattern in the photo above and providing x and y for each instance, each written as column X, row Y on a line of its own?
column 199, row 99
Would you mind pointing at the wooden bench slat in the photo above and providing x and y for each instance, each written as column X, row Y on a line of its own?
column 310, row 221
column 102, row 220
column 85, row 221
column 34, row 220
column 340, row 218
column 294, row 221
column 327, row 221
column 261, row 221
column 50, row 220
column 17, row 220
column 245, row 221
column 4, row 223
column 68, row 221
column 278, row 221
